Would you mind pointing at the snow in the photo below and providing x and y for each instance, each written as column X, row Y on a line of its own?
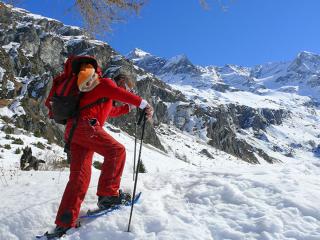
column 15, row 107
column 31, row 15
column 5, row 111
column 137, row 54
column 23, row 25
column 10, row 85
column 11, row 45
column 72, row 27
column 97, row 42
column 73, row 40
column 116, row 58
column 199, row 198
column 174, row 60
column 144, row 76
column 2, row 72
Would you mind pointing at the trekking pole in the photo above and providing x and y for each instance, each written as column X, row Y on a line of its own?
column 142, row 117
column 135, row 145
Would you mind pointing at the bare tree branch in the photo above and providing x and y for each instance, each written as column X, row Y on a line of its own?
column 100, row 14
column 204, row 4
column 221, row 3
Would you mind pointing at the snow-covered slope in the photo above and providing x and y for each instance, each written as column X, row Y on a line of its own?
column 192, row 198
column 193, row 190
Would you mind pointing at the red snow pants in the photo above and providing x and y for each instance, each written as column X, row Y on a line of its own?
column 90, row 137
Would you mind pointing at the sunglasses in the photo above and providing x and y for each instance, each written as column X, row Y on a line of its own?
column 92, row 78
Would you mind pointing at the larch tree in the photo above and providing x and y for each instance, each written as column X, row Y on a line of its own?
column 98, row 15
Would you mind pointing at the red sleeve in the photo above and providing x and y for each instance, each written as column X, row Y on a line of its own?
column 110, row 90
column 119, row 110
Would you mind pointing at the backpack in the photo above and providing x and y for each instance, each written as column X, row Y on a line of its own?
column 63, row 99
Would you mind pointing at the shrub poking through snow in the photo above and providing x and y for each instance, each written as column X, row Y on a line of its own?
column 142, row 168
column 8, row 137
column 40, row 145
column 17, row 151
column 37, row 133
column 7, row 146
column 7, row 129
column 17, row 141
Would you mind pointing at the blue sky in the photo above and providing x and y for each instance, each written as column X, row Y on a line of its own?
column 250, row 32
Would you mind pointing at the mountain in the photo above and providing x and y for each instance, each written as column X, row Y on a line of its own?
column 146, row 60
column 300, row 75
column 230, row 108
column 210, row 122
column 256, row 104
column 33, row 49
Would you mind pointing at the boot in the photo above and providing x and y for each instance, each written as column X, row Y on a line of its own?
column 105, row 202
column 58, row 232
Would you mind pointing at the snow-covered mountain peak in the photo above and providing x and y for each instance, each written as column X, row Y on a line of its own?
column 179, row 64
column 235, row 69
column 306, row 55
column 306, row 62
column 137, row 53
column 177, row 60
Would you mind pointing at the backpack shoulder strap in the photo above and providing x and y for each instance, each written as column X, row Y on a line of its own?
column 100, row 100
column 75, row 122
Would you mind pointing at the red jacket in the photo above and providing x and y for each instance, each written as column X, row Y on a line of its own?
column 108, row 89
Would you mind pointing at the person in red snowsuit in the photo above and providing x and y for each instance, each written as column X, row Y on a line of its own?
column 90, row 137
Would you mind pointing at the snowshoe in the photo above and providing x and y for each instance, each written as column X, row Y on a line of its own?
column 100, row 212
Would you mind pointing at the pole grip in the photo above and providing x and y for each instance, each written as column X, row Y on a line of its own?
column 142, row 116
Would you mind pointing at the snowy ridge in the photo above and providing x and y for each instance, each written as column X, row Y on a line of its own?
column 32, row 15
column 302, row 73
